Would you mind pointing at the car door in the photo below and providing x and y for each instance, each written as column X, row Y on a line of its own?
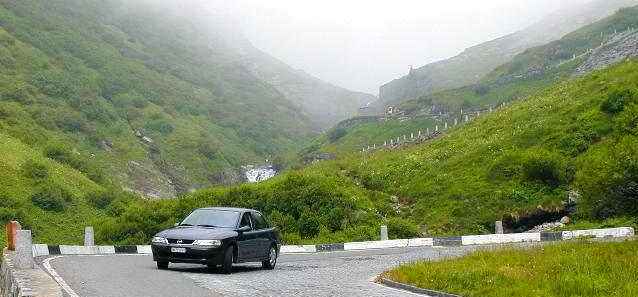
column 262, row 233
column 247, row 244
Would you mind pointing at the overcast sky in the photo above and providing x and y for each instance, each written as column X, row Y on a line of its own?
column 361, row 44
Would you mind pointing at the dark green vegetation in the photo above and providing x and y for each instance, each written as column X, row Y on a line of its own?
column 505, row 165
column 566, row 269
column 95, row 102
column 133, row 94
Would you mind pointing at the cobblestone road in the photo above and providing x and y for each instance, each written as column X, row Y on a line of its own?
column 323, row 274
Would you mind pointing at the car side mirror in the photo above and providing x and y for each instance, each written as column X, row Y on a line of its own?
column 243, row 229
column 176, row 224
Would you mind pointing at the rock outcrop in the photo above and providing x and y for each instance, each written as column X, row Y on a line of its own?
column 621, row 48
column 476, row 62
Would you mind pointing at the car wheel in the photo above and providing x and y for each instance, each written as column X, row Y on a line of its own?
column 272, row 259
column 227, row 266
column 162, row 265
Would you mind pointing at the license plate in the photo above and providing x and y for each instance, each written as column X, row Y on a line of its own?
column 178, row 250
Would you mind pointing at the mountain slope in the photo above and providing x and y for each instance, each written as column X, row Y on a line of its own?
column 157, row 100
column 471, row 65
column 576, row 140
column 324, row 103
column 578, row 52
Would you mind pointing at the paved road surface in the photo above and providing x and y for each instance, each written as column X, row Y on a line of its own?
column 322, row 274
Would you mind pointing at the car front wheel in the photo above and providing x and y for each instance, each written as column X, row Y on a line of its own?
column 227, row 266
column 272, row 259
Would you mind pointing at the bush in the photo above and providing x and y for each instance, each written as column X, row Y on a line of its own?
column 35, row 170
column 544, row 167
column 309, row 225
column 284, row 222
column 51, row 197
column 101, row 199
column 616, row 101
column 399, row 228
column 336, row 134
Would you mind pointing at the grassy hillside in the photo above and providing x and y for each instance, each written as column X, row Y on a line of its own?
column 474, row 63
column 162, row 99
column 50, row 198
column 568, row 269
column 528, row 73
column 579, row 135
column 354, row 134
column 531, row 70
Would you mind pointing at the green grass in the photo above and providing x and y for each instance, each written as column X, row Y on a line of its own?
column 16, row 190
column 558, row 270
column 355, row 134
column 531, row 71
column 83, row 72
column 502, row 166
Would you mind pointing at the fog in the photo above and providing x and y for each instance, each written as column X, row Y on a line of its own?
column 361, row 44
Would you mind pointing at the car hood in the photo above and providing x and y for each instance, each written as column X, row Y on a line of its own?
column 197, row 233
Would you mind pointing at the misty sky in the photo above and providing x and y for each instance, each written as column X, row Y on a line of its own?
column 362, row 44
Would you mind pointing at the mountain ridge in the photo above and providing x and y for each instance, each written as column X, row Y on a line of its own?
column 456, row 72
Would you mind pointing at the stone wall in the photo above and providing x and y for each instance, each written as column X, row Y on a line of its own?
column 15, row 282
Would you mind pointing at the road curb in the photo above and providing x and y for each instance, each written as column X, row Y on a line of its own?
column 412, row 289
column 470, row 240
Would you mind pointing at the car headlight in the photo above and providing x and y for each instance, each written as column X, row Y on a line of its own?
column 161, row 240
column 208, row 242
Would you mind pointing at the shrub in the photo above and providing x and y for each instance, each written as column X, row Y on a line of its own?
column 7, row 214
column 336, row 219
column 399, row 228
column 616, row 101
column 51, row 197
column 309, row 225
column 284, row 222
column 35, row 170
column 627, row 121
column 544, row 167
column 101, row 199
column 336, row 134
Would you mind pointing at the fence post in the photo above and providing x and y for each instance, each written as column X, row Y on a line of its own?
column 498, row 226
column 12, row 229
column 384, row 232
column 89, row 236
column 24, row 250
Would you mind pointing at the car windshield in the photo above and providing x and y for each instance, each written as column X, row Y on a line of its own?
column 212, row 218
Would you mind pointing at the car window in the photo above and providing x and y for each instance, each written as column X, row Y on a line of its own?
column 259, row 221
column 245, row 220
column 212, row 218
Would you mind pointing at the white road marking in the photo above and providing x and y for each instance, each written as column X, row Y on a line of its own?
column 47, row 265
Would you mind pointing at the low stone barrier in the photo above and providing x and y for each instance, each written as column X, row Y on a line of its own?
column 490, row 239
column 500, row 238
column 13, row 283
column 31, row 282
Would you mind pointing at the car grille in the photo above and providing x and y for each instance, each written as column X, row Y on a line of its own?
column 180, row 241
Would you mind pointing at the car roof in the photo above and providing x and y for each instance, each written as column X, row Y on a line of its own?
column 228, row 209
